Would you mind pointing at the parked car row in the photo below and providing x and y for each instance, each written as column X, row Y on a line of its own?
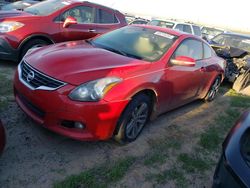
column 181, row 26
column 84, row 77
column 110, row 79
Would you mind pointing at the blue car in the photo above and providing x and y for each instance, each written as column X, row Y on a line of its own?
column 233, row 169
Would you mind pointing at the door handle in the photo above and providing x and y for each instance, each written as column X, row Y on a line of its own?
column 203, row 69
column 92, row 30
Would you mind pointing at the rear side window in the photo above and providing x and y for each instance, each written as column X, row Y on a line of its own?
column 190, row 48
column 207, row 51
column 179, row 27
column 197, row 30
column 187, row 29
column 106, row 18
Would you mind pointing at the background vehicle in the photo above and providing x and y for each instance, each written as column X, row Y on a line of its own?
column 208, row 32
column 139, row 21
column 185, row 27
column 2, row 137
column 233, row 169
column 102, row 88
column 235, row 49
column 129, row 18
column 53, row 21
column 19, row 5
column 2, row 3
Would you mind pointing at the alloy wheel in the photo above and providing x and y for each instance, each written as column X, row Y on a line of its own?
column 137, row 120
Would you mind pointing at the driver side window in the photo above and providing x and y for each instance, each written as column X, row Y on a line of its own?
column 83, row 14
column 189, row 48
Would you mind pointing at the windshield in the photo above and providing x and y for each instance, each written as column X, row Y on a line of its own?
column 162, row 23
column 241, row 42
column 19, row 5
column 136, row 42
column 47, row 7
column 211, row 31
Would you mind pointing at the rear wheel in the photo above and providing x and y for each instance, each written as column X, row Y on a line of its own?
column 242, row 81
column 213, row 89
column 32, row 44
column 133, row 119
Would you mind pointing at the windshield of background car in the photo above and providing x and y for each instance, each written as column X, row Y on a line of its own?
column 162, row 23
column 211, row 31
column 235, row 41
column 136, row 42
column 197, row 30
column 47, row 7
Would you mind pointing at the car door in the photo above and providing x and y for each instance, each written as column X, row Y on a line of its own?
column 85, row 27
column 184, row 82
column 106, row 20
column 210, row 61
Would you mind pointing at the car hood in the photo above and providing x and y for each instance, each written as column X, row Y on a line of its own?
column 79, row 62
column 228, row 51
column 13, row 13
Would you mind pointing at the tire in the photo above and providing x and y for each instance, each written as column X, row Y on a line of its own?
column 31, row 44
column 242, row 81
column 213, row 90
column 133, row 119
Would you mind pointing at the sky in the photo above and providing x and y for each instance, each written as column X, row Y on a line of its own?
column 221, row 13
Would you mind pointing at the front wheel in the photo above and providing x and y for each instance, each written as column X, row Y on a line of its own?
column 213, row 89
column 133, row 119
column 32, row 44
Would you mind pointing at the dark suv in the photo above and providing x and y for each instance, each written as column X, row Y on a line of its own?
column 53, row 21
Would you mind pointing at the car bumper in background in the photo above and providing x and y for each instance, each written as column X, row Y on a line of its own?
column 7, row 52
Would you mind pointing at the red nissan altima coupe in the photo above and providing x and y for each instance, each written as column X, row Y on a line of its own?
column 112, row 85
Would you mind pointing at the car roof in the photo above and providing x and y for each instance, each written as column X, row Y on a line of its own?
column 176, row 22
column 237, row 35
column 166, row 30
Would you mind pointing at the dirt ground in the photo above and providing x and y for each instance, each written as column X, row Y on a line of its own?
column 36, row 157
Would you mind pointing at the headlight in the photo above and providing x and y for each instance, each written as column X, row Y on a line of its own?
column 9, row 26
column 94, row 90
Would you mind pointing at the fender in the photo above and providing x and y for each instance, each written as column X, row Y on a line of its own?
column 35, row 36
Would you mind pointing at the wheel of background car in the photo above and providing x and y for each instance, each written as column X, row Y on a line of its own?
column 32, row 44
column 133, row 119
column 242, row 81
column 213, row 89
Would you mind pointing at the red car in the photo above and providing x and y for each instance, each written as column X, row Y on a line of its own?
column 2, row 137
column 112, row 85
column 53, row 21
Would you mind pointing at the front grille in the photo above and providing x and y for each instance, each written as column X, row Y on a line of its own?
column 40, row 113
column 37, row 80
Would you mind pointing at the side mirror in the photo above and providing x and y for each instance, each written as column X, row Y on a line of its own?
column 183, row 61
column 69, row 21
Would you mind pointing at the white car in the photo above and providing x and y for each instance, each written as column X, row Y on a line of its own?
column 181, row 26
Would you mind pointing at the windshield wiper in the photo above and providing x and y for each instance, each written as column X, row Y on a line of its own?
column 122, row 52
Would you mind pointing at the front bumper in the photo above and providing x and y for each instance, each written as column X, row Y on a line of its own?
column 50, row 108
column 7, row 52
